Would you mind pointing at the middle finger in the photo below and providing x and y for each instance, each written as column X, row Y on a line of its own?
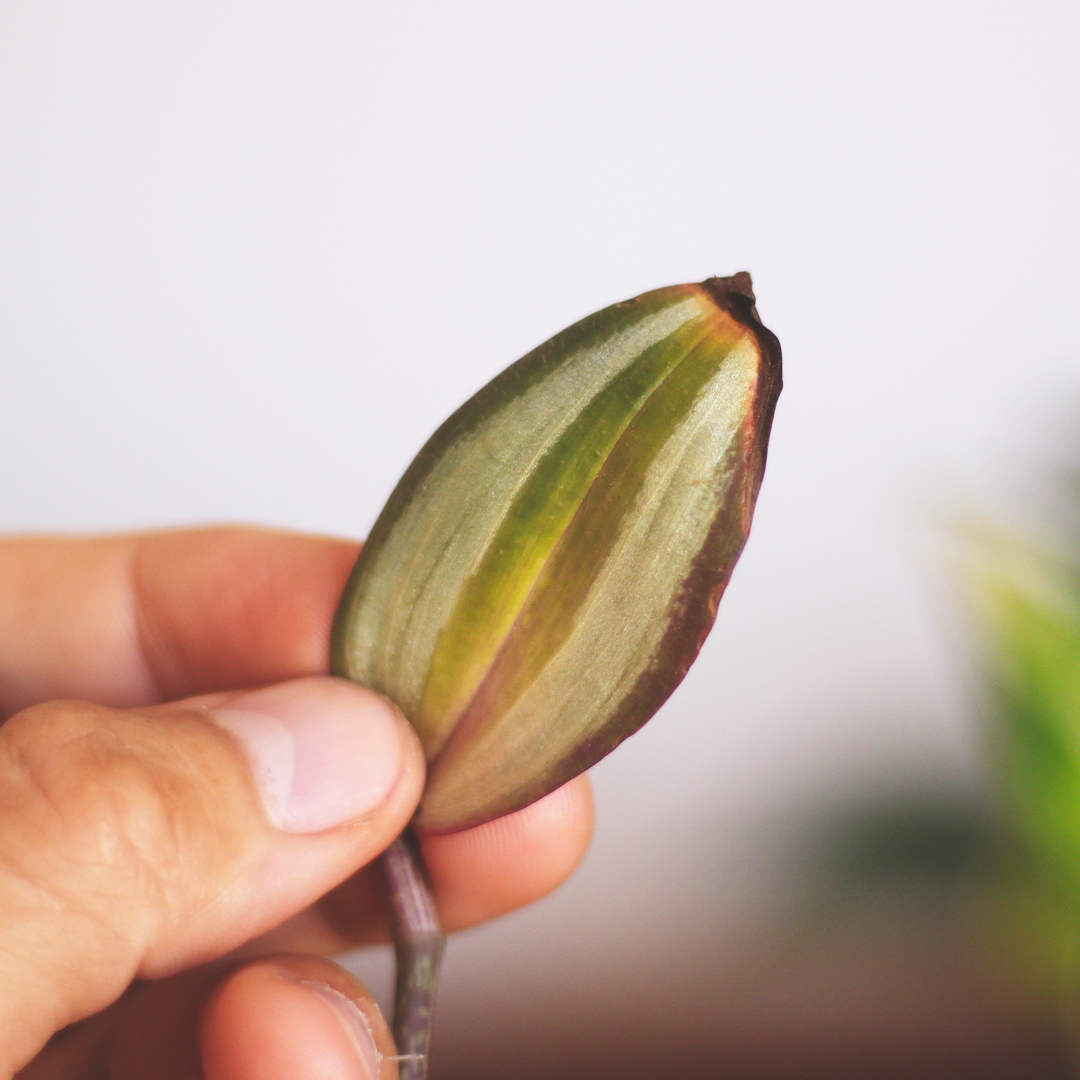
column 477, row 874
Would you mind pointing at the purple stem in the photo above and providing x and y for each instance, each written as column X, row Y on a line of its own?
column 418, row 948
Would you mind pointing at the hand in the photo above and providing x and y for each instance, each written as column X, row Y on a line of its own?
column 171, row 875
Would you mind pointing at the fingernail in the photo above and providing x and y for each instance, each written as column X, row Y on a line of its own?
column 323, row 751
column 354, row 1022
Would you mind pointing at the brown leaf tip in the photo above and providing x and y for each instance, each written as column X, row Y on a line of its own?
column 722, row 287
column 733, row 294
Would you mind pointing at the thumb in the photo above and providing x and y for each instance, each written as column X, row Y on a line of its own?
column 140, row 842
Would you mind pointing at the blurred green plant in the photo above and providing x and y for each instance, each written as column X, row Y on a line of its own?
column 1024, row 596
column 1001, row 870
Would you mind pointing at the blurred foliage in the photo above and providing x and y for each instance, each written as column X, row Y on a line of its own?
column 1030, row 604
column 926, row 846
column 1024, row 594
column 1006, row 867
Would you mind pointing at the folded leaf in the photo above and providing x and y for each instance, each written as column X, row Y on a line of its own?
column 548, row 567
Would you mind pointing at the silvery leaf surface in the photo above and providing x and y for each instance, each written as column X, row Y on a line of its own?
column 548, row 567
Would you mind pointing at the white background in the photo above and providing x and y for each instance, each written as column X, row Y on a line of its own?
column 252, row 252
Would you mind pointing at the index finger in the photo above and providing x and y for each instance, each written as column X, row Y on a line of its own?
column 148, row 617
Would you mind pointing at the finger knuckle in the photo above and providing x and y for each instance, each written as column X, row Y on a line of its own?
column 93, row 810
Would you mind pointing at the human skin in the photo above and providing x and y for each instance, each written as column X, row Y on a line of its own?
column 158, row 908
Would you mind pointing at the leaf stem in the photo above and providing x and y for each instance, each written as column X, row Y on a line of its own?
column 418, row 949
